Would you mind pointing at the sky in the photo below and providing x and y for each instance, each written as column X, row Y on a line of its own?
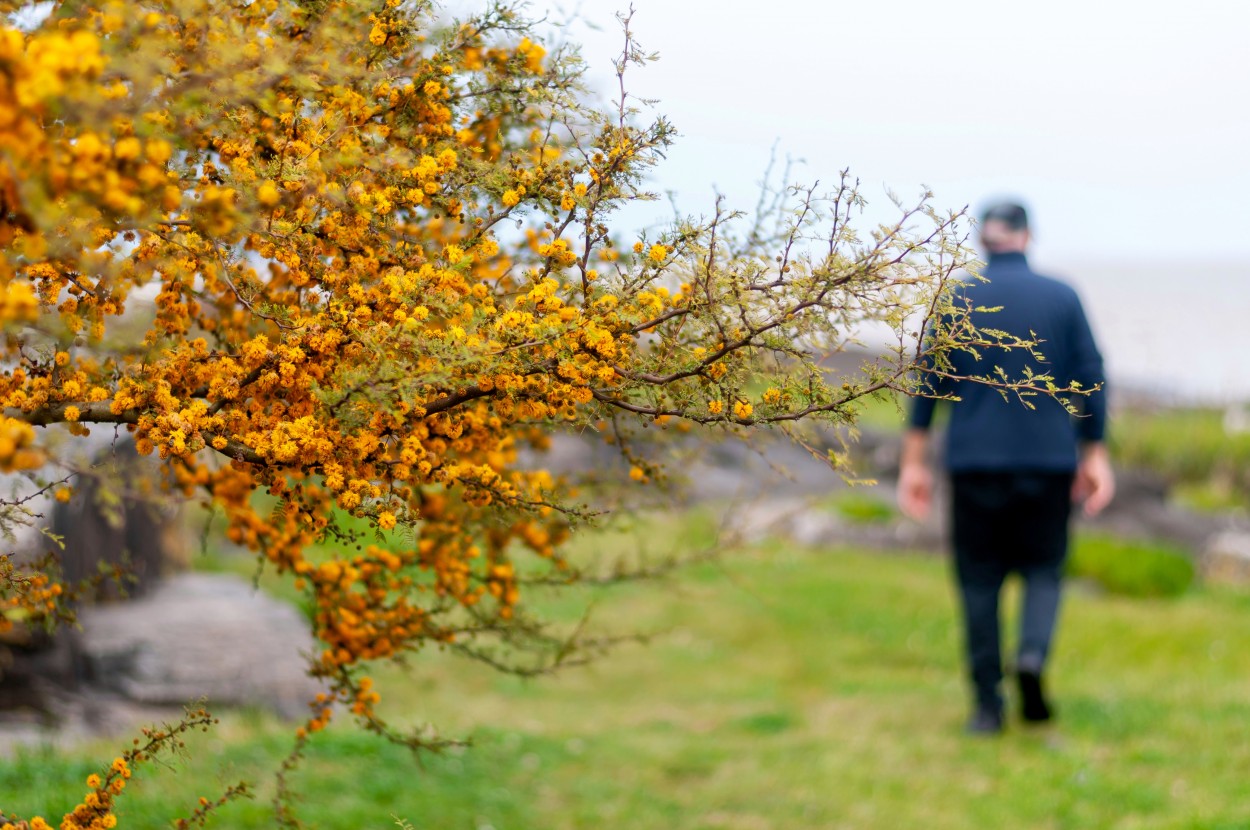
column 1122, row 125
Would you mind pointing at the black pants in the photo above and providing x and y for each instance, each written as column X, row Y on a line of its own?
column 1005, row 522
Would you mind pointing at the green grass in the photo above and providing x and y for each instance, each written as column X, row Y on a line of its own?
column 883, row 410
column 792, row 688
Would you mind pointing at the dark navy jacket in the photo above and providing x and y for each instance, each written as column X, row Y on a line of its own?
column 989, row 433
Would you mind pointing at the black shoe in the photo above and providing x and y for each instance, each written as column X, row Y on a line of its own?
column 986, row 720
column 1033, row 705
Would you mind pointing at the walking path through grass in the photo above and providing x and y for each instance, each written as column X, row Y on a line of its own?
column 795, row 688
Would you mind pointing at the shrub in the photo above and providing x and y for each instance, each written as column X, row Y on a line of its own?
column 1131, row 567
column 864, row 508
column 1192, row 448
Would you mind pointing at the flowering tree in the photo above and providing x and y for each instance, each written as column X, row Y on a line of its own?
column 355, row 257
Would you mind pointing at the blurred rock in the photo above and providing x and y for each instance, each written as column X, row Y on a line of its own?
column 820, row 526
column 211, row 637
column 1227, row 556
column 120, row 517
column 33, row 663
column 65, row 720
column 195, row 636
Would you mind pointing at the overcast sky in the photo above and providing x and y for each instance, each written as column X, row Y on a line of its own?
column 1123, row 125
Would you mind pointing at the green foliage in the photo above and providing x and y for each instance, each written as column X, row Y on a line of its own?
column 860, row 507
column 1209, row 497
column 1190, row 447
column 1133, row 568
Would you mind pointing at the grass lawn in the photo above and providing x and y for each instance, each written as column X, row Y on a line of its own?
column 793, row 688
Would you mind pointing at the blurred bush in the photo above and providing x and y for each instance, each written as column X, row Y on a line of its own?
column 1191, row 448
column 1132, row 567
column 864, row 508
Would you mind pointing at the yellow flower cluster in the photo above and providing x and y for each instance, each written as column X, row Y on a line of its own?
column 31, row 597
column 287, row 400
column 331, row 318
column 532, row 54
column 17, row 450
column 95, row 810
column 18, row 304
column 52, row 61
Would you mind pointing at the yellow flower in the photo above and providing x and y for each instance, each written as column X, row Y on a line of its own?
column 72, row 413
column 636, row 473
column 127, row 149
column 742, row 409
column 386, row 520
column 715, row 407
column 772, row 396
column 64, row 494
column 532, row 54
column 638, row 247
column 18, row 302
column 510, row 198
column 93, row 781
column 268, row 194
column 377, row 35
column 158, row 151
column 657, row 253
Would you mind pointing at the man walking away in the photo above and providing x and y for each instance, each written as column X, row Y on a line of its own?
column 1014, row 471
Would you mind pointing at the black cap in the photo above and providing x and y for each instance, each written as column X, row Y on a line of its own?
column 1011, row 214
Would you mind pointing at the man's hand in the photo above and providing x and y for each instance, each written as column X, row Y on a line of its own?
column 915, row 480
column 915, row 491
column 1094, row 486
